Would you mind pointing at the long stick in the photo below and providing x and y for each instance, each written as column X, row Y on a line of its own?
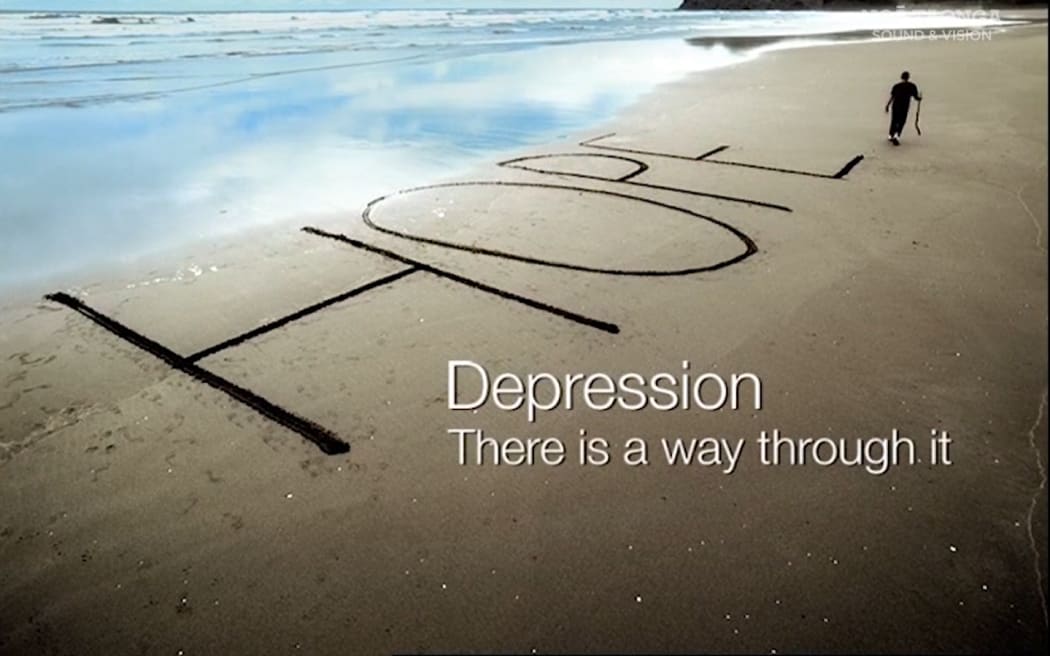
column 918, row 110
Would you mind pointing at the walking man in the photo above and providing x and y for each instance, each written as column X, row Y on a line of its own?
column 900, row 99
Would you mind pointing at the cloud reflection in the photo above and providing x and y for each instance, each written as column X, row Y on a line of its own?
column 114, row 180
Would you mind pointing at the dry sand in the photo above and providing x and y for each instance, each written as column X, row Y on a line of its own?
column 143, row 512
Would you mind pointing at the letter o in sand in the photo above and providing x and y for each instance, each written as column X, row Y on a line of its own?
column 561, row 226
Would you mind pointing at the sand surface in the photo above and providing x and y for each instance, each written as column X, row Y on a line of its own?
column 142, row 511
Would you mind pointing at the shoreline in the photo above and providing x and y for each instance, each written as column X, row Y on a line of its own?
column 173, row 263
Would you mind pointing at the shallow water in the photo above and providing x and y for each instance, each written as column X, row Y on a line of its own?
column 123, row 133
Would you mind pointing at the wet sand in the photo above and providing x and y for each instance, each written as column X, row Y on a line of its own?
column 145, row 511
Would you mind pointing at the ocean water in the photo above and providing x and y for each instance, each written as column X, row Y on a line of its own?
column 121, row 133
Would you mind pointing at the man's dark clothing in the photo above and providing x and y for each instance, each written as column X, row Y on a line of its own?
column 901, row 95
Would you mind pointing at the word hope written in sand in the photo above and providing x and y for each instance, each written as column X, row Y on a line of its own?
column 471, row 387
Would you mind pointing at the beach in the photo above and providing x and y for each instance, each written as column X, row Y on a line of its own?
column 749, row 218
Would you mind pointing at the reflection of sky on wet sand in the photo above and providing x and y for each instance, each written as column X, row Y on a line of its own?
column 134, row 132
column 106, row 178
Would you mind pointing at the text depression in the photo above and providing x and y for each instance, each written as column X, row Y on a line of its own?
column 471, row 386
